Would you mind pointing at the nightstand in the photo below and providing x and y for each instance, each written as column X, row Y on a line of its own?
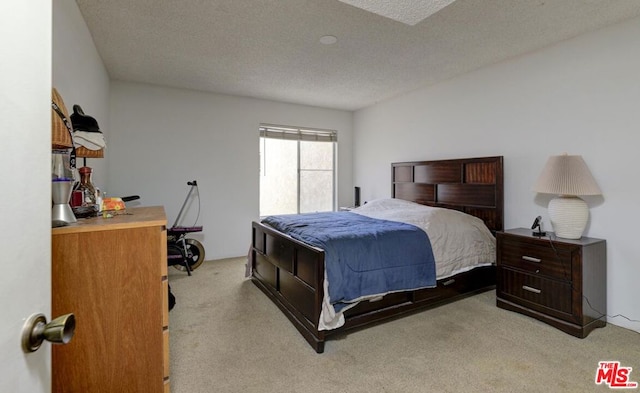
column 561, row 282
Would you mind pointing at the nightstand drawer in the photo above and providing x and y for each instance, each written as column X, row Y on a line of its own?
column 553, row 294
column 535, row 258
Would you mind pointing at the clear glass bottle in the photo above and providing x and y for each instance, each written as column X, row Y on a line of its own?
column 87, row 188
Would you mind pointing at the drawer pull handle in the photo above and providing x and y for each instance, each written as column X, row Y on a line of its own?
column 531, row 289
column 531, row 259
column 449, row 282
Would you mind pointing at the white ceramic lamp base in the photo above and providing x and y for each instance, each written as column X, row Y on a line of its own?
column 568, row 215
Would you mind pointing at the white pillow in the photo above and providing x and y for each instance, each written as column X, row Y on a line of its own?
column 387, row 204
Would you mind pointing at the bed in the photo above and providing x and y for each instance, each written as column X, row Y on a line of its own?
column 291, row 272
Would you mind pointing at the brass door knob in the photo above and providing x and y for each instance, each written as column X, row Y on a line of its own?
column 36, row 330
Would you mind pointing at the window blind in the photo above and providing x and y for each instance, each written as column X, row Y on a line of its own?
column 298, row 134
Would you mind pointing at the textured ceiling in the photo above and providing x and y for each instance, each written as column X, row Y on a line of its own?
column 270, row 49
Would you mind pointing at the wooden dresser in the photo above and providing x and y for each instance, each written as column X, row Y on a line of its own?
column 559, row 281
column 112, row 274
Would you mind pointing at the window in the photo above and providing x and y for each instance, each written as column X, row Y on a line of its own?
column 297, row 170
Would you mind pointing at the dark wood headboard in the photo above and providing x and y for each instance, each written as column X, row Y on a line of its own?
column 472, row 185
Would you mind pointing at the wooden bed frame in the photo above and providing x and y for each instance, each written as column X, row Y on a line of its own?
column 291, row 273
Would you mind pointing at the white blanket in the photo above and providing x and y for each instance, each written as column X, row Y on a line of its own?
column 460, row 242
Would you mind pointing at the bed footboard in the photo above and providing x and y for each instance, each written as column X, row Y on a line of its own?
column 291, row 274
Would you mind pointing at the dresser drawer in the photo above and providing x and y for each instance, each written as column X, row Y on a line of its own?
column 535, row 258
column 548, row 293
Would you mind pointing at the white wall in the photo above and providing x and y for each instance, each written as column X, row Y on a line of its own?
column 79, row 75
column 580, row 96
column 161, row 137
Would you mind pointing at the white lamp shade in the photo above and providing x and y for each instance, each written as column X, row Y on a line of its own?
column 566, row 175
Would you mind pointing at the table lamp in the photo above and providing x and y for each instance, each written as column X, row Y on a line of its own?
column 567, row 176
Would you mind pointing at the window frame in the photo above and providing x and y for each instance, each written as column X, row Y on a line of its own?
column 302, row 134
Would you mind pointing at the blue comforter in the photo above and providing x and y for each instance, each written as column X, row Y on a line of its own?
column 363, row 256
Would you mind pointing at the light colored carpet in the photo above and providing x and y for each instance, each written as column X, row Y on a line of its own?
column 226, row 336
